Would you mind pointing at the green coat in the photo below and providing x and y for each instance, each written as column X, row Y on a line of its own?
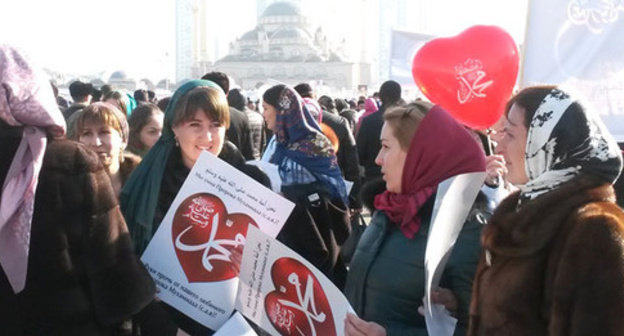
column 386, row 280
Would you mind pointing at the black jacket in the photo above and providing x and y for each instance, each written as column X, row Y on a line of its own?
column 239, row 134
column 316, row 229
column 347, row 153
column 368, row 143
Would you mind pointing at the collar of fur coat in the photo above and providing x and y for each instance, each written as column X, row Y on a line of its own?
column 524, row 231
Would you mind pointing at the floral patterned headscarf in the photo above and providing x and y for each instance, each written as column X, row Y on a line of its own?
column 299, row 138
column 565, row 140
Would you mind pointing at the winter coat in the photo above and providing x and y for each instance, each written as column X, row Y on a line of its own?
column 316, row 229
column 555, row 266
column 368, row 143
column 347, row 154
column 83, row 276
column 386, row 280
column 239, row 134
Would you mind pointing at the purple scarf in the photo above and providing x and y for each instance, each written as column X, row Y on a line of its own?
column 26, row 99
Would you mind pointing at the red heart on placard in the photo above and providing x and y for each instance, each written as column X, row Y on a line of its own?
column 203, row 236
column 471, row 75
column 299, row 305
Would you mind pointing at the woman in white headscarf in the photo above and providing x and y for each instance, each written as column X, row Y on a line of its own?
column 68, row 266
column 554, row 251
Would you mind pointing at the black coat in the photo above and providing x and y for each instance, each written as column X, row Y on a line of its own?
column 316, row 229
column 347, row 153
column 83, row 277
column 239, row 134
column 368, row 143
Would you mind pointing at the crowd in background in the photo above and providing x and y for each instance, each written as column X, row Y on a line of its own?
column 87, row 183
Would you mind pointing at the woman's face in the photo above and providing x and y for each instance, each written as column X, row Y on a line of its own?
column 106, row 141
column 198, row 134
column 391, row 159
column 269, row 115
column 513, row 145
column 151, row 131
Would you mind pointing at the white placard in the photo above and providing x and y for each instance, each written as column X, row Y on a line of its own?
column 284, row 294
column 454, row 200
column 189, row 256
column 236, row 326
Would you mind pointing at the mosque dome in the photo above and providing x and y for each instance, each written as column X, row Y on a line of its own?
column 118, row 75
column 282, row 8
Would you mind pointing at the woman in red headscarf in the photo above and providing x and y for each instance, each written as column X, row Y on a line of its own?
column 421, row 146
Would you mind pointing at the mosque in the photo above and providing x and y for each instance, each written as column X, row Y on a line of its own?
column 285, row 47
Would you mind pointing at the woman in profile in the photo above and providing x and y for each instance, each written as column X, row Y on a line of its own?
column 386, row 282
column 554, row 251
column 68, row 266
column 310, row 178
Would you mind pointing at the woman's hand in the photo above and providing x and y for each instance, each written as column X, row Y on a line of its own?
column 444, row 297
column 496, row 170
column 236, row 257
column 355, row 326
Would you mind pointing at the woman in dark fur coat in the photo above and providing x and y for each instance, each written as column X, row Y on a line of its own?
column 553, row 260
column 68, row 266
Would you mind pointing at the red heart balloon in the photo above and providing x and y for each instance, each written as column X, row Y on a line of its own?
column 299, row 305
column 203, row 236
column 471, row 75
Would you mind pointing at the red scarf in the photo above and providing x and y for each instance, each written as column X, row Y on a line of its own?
column 441, row 148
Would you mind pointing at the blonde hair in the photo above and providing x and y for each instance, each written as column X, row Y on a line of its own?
column 104, row 113
column 405, row 119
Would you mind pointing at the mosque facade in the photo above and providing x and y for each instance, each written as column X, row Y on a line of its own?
column 286, row 47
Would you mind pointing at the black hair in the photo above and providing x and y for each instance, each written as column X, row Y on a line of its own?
column 163, row 103
column 79, row 90
column 237, row 99
column 529, row 99
column 304, row 90
column 220, row 79
column 271, row 96
column 141, row 95
column 327, row 103
column 390, row 92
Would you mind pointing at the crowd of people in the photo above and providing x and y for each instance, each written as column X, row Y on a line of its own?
column 86, row 185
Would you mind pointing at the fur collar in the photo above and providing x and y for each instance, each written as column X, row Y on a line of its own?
column 130, row 161
column 524, row 231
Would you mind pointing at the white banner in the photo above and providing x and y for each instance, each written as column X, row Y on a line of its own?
column 578, row 44
column 454, row 200
column 404, row 47
column 189, row 256
column 284, row 294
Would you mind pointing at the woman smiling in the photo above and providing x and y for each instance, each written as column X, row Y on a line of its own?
column 104, row 129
